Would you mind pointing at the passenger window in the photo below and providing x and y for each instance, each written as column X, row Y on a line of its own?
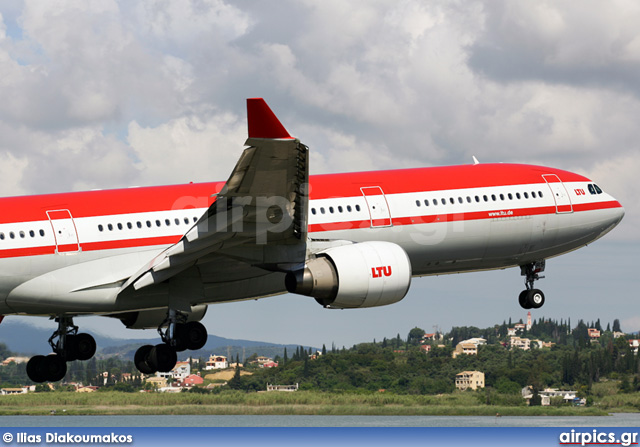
column 426, row 202
column 417, row 203
column 12, row 235
column 148, row 224
column 331, row 209
column 321, row 210
column 32, row 233
column 167, row 222
column 42, row 233
column 186, row 220
column 468, row 199
column 460, row 200
column 129, row 226
column 119, row 226
column 357, row 207
column 526, row 195
column 339, row 209
column 493, row 197
column 510, row 196
column 477, row 199
column 139, row 224
column 313, row 211
column 22, row 234
column 444, row 202
column 110, row 227
column 100, row 227
column 157, row 223
column 435, row 202
column 518, row 195
column 176, row 221
column 540, row 194
column 349, row 208
column 533, row 194
column 501, row 196
column 451, row 200
column 2, row 236
column 486, row 199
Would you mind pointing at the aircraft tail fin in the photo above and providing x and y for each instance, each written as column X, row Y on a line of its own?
column 263, row 123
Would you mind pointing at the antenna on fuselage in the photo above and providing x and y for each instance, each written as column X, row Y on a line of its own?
column 475, row 160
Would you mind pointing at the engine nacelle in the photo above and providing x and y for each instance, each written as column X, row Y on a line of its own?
column 151, row 319
column 367, row 274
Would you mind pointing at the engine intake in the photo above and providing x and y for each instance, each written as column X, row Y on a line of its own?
column 366, row 274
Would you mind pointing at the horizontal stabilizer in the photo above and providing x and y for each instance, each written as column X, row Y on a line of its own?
column 263, row 123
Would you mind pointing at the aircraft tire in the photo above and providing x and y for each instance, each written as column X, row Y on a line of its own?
column 141, row 360
column 196, row 335
column 55, row 367
column 35, row 369
column 71, row 348
column 535, row 298
column 523, row 299
column 181, row 338
column 85, row 346
column 163, row 357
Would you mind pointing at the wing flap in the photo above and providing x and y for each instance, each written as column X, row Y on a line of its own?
column 264, row 203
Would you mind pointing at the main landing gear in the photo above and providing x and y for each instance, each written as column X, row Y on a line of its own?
column 177, row 335
column 67, row 346
column 531, row 298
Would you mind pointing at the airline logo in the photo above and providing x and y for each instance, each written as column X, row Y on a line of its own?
column 379, row 272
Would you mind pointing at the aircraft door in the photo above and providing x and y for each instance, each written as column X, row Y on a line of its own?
column 559, row 193
column 64, row 231
column 378, row 206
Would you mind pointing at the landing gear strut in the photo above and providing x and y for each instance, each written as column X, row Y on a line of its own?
column 67, row 346
column 177, row 335
column 531, row 298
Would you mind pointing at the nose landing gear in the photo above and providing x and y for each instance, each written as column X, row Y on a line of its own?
column 531, row 298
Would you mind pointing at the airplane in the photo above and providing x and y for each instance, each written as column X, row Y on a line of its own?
column 156, row 257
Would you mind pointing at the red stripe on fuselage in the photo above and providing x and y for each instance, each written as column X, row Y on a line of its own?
column 434, row 179
column 199, row 195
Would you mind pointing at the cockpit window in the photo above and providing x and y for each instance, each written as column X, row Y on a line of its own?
column 592, row 190
column 598, row 190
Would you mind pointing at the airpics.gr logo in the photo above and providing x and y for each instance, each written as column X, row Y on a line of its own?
column 599, row 438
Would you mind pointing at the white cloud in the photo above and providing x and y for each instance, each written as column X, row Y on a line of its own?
column 198, row 148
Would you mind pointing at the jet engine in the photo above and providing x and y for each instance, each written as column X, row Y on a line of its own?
column 366, row 274
column 153, row 318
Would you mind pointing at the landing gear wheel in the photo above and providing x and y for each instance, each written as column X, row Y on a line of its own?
column 141, row 360
column 523, row 299
column 85, row 346
column 35, row 369
column 181, row 339
column 196, row 335
column 55, row 367
column 71, row 348
column 162, row 357
column 535, row 298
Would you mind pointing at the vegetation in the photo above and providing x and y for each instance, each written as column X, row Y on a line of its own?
column 393, row 376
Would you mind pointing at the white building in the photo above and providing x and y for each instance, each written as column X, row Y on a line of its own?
column 520, row 343
column 179, row 372
column 470, row 379
column 217, row 362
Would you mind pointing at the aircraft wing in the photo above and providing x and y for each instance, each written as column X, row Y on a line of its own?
column 260, row 216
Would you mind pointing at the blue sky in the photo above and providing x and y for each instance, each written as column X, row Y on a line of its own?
column 102, row 94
